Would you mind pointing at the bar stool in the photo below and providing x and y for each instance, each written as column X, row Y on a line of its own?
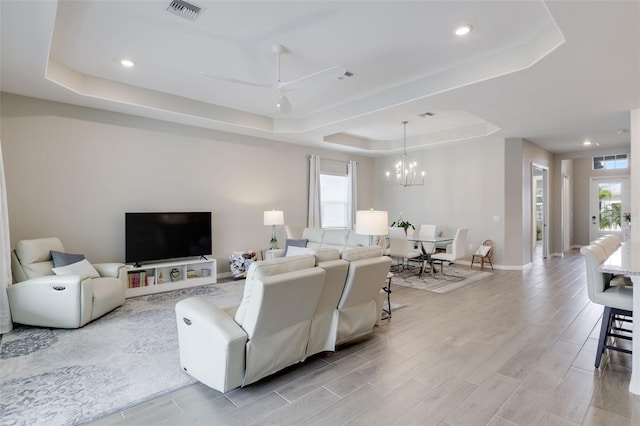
column 617, row 301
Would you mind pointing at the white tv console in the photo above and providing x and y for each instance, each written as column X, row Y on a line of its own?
column 191, row 273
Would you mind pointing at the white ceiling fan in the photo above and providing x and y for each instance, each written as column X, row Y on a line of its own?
column 337, row 72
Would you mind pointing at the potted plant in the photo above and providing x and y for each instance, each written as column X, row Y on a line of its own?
column 401, row 223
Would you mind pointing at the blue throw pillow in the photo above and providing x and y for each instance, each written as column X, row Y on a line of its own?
column 64, row 259
column 294, row 243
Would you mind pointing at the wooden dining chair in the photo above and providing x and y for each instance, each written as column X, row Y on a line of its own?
column 483, row 254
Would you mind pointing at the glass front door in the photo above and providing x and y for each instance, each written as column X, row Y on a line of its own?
column 609, row 198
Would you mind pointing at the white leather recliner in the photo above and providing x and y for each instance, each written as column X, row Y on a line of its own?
column 40, row 298
column 324, row 322
column 351, row 301
column 270, row 330
column 360, row 305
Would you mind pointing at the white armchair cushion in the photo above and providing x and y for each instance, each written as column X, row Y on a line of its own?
column 358, row 253
column 82, row 268
column 34, row 257
column 356, row 240
column 335, row 238
column 265, row 268
column 326, row 254
column 33, row 251
column 110, row 269
column 314, row 235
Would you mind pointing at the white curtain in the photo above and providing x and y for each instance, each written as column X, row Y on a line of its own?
column 314, row 219
column 352, row 173
column 5, row 255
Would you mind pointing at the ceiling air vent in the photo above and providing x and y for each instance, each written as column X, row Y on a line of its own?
column 184, row 9
column 347, row 74
column 427, row 114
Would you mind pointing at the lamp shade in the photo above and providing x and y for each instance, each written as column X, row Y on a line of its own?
column 372, row 222
column 274, row 217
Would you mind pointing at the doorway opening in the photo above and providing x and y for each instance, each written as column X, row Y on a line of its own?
column 540, row 211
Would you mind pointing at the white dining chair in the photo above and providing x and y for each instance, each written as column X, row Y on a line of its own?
column 457, row 249
column 399, row 248
column 427, row 233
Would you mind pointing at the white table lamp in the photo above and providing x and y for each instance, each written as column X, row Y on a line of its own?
column 273, row 218
column 372, row 222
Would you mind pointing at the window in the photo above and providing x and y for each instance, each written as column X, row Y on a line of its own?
column 608, row 162
column 334, row 194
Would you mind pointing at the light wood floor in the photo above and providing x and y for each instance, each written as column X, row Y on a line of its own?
column 517, row 348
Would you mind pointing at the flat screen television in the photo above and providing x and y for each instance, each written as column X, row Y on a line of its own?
column 161, row 236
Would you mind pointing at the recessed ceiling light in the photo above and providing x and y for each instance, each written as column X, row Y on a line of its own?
column 463, row 30
column 127, row 63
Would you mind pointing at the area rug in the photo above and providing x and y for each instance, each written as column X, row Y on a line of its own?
column 65, row 377
column 454, row 278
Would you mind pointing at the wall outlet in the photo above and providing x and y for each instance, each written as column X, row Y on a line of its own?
column 496, row 218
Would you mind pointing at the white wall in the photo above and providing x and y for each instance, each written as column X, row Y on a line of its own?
column 520, row 155
column 73, row 172
column 464, row 188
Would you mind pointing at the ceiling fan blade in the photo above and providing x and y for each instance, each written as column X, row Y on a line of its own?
column 333, row 73
column 234, row 80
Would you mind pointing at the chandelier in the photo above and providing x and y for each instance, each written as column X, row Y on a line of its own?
column 406, row 171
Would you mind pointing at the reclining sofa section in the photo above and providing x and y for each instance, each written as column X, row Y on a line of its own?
column 292, row 308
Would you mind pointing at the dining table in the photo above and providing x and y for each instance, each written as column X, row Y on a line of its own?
column 626, row 261
column 426, row 256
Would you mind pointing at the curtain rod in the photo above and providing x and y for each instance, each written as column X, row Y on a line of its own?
column 332, row 159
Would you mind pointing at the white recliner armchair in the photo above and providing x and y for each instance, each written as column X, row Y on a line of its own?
column 41, row 298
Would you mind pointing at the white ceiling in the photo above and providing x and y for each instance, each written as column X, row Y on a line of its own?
column 555, row 73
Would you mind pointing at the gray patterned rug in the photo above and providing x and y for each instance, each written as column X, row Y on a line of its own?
column 456, row 277
column 64, row 377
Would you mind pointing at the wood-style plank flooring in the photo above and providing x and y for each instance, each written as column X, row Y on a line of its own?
column 517, row 348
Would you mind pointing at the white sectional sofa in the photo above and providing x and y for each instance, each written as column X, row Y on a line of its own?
column 339, row 239
column 292, row 308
